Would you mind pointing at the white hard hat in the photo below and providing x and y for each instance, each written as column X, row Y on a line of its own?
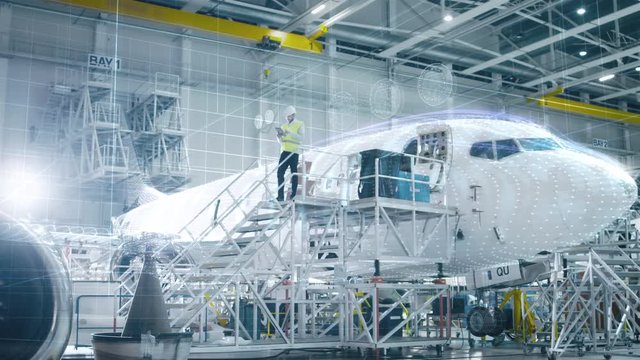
column 290, row 110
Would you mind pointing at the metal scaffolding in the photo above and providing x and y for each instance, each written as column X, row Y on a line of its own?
column 155, row 120
column 277, row 278
column 84, row 123
column 590, row 301
column 49, row 132
column 84, row 120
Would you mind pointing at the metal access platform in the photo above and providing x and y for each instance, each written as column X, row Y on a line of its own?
column 250, row 276
column 158, row 134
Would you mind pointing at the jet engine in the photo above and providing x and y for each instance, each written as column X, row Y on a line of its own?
column 36, row 305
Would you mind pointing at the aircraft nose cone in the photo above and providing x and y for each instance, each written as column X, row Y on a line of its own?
column 611, row 186
column 598, row 192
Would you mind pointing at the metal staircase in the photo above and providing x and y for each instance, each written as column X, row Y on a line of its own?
column 251, row 243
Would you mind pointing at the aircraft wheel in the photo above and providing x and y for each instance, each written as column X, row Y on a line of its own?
column 476, row 321
column 495, row 323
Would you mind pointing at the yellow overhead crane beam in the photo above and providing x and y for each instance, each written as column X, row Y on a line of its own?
column 165, row 15
column 552, row 102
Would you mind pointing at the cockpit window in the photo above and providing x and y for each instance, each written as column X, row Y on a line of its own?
column 506, row 147
column 482, row 150
column 538, row 144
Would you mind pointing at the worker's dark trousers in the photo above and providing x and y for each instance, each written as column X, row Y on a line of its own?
column 292, row 164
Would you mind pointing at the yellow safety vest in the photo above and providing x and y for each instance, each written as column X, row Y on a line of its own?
column 289, row 143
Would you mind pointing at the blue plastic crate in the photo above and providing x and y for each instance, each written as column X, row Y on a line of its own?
column 404, row 189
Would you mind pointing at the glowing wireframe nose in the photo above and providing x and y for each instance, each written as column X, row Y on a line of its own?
column 596, row 192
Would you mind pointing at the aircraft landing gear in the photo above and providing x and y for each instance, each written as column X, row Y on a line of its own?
column 439, row 350
column 497, row 340
column 472, row 342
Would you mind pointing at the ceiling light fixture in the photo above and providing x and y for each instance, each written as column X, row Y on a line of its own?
column 318, row 9
column 582, row 53
column 448, row 18
column 581, row 11
column 638, row 68
column 607, row 77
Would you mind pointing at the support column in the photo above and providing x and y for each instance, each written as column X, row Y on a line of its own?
column 185, row 57
column 391, row 70
column 104, row 39
column 584, row 97
column 185, row 76
column 391, row 15
column 105, row 43
column 628, row 160
column 263, row 106
column 333, row 123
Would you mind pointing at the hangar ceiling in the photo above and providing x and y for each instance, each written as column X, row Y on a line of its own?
column 530, row 45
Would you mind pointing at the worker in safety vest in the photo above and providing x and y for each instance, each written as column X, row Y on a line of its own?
column 290, row 136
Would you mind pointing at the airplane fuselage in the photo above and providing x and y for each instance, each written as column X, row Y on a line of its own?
column 517, row 188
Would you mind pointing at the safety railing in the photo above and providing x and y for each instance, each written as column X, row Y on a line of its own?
column 167, row 84
column 156, row 105
column 114, row 156
column 107, row 113
column 338, row 181
column 263, row 237
column 228, row 228
column 103, row 77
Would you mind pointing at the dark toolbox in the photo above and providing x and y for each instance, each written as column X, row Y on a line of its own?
column 405, row 189
column 392, row 320
column 389, row 166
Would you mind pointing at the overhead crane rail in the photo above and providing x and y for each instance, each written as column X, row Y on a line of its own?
column 165, row 15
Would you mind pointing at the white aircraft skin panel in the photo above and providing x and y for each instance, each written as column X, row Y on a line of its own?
column 538, row 200
column 168, row 216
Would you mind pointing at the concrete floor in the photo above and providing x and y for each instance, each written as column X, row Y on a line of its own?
column 505, row 351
